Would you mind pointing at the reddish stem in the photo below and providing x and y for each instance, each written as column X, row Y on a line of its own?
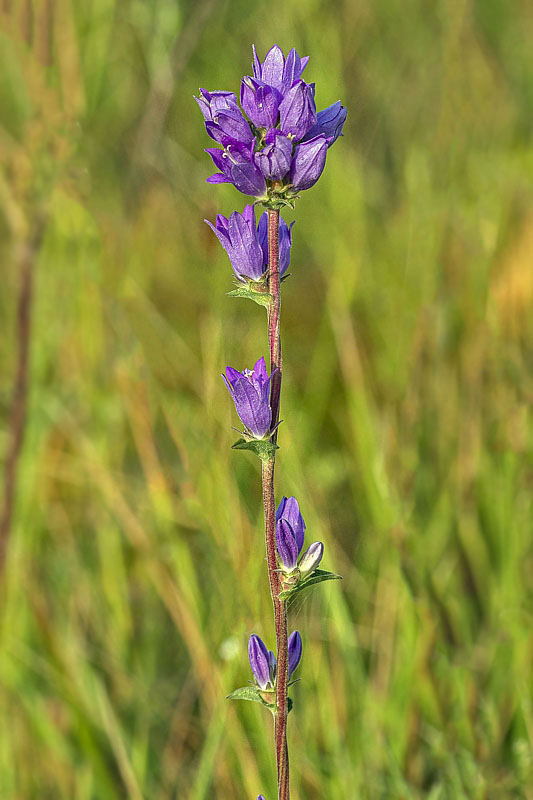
column 280, row 608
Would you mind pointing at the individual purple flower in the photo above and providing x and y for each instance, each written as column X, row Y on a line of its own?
column 285, row 242
column 274, row 160
column 289, row 510
column 230, row 127
column 295, row 651
column 287, row 546
column 250, row 390
column 238, row 236
column 236, row 166
column 260, row 797
column 260, row 102
column 329, row 122
column 311, row 558
column 278, row 71
column 260, row 662
column 308, row 163
column 212, row 102
column 297, row 112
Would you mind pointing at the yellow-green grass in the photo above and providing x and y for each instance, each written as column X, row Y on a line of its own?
column 136, row 570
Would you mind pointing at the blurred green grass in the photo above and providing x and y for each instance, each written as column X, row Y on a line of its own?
column 135, row 572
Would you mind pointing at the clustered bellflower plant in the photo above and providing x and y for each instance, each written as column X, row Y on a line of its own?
column 271, row 145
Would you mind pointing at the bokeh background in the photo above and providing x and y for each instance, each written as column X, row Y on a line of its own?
column 135, row 573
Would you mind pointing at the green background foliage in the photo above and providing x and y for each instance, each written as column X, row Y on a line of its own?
column 135, row 570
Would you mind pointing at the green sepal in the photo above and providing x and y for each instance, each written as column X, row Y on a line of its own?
column 261, row 298
column 263, row 448
column 250, row 693
column 317, row 576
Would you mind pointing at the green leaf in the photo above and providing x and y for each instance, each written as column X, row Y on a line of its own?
column 317, row 576
column 261, row 298
column 250, row 693
column 253, row 694
column 263, row 448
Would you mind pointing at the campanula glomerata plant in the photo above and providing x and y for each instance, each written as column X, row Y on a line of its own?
column 271, row 146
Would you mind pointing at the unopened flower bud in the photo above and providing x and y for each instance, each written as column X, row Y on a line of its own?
column 295, row 651
column 311, row 558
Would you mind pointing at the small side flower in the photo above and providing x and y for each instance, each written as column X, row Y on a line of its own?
column 250, row 390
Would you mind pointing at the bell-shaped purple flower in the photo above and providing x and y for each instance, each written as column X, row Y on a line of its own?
column 274, row 160
column 260, row 797
column 311, row 558
column 238, row 236
column 286, row 545
column 250, row 391
column 237, row 167
column 295, row 651
column 212, row 102
column 285, row 242
column 259, row 661
column 260, row 102
column 297, row 111
column 308, row 163
column 329, row 122
column 289, row 510
column 227, row 125
column 278, row 71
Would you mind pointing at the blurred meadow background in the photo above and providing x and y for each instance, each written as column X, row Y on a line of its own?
column 134, row 571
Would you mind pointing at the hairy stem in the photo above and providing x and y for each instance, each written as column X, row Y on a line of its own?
column 280, row 608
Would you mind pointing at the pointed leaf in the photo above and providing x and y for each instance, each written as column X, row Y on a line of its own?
column 250, row 693
column 317, row 576
column 261, row 298
column 263, row 448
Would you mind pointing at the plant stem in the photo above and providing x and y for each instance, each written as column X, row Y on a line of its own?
column 280, row 608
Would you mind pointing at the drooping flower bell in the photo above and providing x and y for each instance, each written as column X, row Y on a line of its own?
column 250, row 390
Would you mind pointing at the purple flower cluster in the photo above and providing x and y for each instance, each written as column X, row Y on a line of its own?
column 290, row 531
column 247, row 245
column 281, row 148
column 263, row 661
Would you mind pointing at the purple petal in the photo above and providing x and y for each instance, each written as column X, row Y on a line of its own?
column 272, row 67
column 289, row 510
column 254, row 413
column 218, row 178
column 329, row 122
column 286, row 545
column 297, row 112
